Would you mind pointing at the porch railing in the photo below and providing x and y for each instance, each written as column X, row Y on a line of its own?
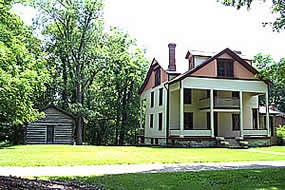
column 255, row 132
column 220, row 102
column 191, row 133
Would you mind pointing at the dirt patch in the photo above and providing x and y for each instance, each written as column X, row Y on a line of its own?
column 16, row 183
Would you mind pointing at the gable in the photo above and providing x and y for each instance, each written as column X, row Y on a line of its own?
column 149, row 81
column 240, row 70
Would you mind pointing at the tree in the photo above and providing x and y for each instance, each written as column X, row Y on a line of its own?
column 72, row 31
column 273, row 71
column 278, row 7
column 23, row 74
column 115, row 101
column 98, row 72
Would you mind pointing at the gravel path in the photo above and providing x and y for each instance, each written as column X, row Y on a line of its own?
column 133, row 168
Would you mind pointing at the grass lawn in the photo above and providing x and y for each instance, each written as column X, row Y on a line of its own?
column 272, row 179
column 68, row 155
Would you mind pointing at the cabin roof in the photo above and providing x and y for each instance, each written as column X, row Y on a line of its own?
column 58, row 109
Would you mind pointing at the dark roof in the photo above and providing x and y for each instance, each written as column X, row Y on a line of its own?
column 58, row 109
column 229, row 52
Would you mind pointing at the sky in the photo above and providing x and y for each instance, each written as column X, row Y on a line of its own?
column 193, row 25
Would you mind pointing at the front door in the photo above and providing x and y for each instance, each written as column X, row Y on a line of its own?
column 216, row 124
column 50, row 134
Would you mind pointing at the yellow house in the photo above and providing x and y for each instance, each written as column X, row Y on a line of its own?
column 214, row 102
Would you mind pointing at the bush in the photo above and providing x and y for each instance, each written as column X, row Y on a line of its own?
column 281, row 135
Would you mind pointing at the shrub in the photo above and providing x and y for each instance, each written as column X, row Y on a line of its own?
column 281, row 135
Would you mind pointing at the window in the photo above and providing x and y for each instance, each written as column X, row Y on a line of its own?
column 160, row 121
column 235, row 94
column 188, row 120
column 151, row 121
column 254, row 118
column 225, row 68
column 187, row 96
column 160, row 96
column 157, row 77
column 156, row 140
column 151, row 141
column 151, row 99
column 236, row 122
column 208, row 120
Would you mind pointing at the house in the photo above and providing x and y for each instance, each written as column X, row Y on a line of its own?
column 276, row 117
column 213, row 102
column 55, row 128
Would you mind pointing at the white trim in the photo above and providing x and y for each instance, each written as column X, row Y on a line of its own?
column 212, row 112
column 225, row 84
column 181, row 109
column 241, row 112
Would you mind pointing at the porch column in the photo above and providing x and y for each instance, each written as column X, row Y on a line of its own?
column 241, row 113
column 181, row 109
column 267, row 113
column 212, row 112
column 141, row 113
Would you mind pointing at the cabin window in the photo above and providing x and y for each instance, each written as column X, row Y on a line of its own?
column 151, row 121
column 254, row 118
column 187, row 96
column 236, row 122
column 151, row 99
column 188, row 120
column 157, row 77
column 225, row 68
column 160, row 121
column 235, row 94
column 160, row 96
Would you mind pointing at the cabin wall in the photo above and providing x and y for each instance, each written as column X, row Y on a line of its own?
column 36, row 132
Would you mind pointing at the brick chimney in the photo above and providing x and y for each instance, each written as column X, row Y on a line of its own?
column 172, row 61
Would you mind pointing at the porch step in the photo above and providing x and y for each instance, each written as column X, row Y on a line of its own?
column 231, row 143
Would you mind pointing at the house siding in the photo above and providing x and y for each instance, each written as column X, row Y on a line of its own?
column 36, row 132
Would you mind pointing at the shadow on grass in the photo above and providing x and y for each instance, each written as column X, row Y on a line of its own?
column 225, row 179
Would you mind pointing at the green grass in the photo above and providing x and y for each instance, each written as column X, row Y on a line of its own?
column 67, row 155
column 272, row 179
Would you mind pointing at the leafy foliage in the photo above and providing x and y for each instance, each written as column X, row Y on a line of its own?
column 281, row 135
column 278, row 7
column 273, row 71
column 97, row 73
column 22, row 69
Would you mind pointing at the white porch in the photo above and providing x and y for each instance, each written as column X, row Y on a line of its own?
column 213, row 107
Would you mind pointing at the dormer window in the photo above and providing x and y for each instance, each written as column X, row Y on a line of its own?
column 225, row 68
column 157, row 77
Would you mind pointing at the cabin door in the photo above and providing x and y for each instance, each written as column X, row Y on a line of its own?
column 50, row 134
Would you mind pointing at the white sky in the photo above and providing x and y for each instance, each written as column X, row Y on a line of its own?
column 201, row 25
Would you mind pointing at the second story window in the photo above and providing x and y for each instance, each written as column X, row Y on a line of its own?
column 151, row 99
column 157, row 77
column 235, row 94
column 160, row 96
column 225, row 68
